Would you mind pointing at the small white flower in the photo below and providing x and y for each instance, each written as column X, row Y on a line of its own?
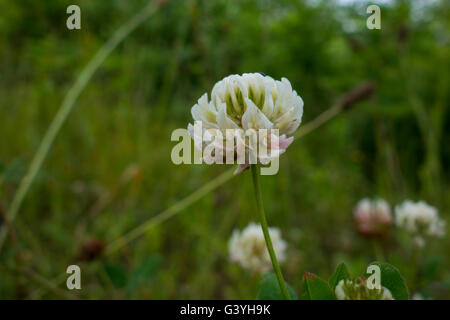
column 250, row 101
column 419, row 296
column 339, row 291
column 357, row 290
column 419, row 241
column 372, row 217
column 419, row 219
column 248, row 248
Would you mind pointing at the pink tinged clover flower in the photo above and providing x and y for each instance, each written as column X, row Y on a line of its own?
column 242, row 102
column 373, row 218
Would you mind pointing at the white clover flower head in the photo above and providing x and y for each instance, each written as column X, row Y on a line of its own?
column 419, row 219
column 419, row 296
column 248, row 248
column 356, row 289
column 372, row 217
column 250, row 101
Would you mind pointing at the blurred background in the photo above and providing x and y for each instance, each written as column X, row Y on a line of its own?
column 109, row 170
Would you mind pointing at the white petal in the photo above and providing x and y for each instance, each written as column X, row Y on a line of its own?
column 232, row 93
column 287, row 121
column 291, row 119
column 268, row 102
column 203, row 101
column 287, row 84
column 204, row 112
column 223, row 120
column 253, row 118
column 198, row 140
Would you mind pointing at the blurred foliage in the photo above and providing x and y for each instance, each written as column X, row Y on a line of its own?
column 395, row 145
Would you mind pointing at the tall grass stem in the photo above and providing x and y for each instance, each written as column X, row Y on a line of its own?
column 170, row 212
column 65, row 109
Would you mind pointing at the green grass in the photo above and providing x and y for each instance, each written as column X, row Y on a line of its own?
column 124, row 118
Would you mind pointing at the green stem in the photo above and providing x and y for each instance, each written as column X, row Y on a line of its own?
column 265, row 229
column 195, row 196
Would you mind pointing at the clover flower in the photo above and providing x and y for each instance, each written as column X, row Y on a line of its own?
column 248, row 248
column 419, row 219
column 418, row 296
column 249, row 101
column 372, row 217
column 357, row 289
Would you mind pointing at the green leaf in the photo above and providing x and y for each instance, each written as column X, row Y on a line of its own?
column 316, row 288
column 117, row 274
column 341, row 273
column 269, row 289
column 145, row 271
column 393, row 280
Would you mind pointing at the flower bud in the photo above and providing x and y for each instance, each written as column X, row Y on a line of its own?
column 91, row 249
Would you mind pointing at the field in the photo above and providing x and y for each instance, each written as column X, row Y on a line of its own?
column 108, row 197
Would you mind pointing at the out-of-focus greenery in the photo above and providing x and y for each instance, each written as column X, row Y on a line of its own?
column 395, row 145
